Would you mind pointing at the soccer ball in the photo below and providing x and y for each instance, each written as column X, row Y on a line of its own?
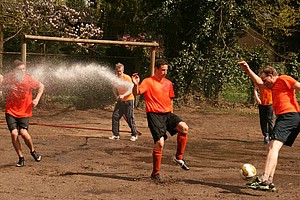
column 247, row 171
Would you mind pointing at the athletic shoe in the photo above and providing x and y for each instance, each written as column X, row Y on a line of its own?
column 21, row 162
column 156, row 178
column 36, row 156
column 266, row 139
column 272, row 187
column 265, row 185
column 133, row 138
column 181, row 163
column 254, row 184
column 114, row 137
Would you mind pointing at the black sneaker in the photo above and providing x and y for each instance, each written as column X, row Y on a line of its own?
column 156, row 178
column 265, row 185
column 36, row 156
column 254, row 184
column 21, row 162
column 266, row 139
column 181, row 163
column 272, row 187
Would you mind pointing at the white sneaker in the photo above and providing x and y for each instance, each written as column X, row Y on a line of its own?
column 181, row 163
column 133, row 138
column 114, row 137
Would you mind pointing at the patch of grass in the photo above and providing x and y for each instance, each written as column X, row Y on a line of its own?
column 235, row 97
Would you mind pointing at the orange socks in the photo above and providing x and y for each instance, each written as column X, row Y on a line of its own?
column 181, row 144
column 157, row 156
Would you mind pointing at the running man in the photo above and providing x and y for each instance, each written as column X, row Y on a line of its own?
column 287, row 124
column 17, row 86
column 158, row 92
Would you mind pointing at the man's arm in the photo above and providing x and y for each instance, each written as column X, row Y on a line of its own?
column 256, row 79
column 135, row 79
column 296, row 86
column 38, row 95
column 256, row 96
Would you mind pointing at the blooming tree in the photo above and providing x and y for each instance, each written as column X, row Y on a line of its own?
column 45, row 17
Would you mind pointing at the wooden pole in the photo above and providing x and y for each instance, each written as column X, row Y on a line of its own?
column 23, row 49
column 153, row 45
column 75, row 40
column 152, row 59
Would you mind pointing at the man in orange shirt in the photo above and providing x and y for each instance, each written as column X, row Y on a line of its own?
column 17, row 86
column 263, row 97
column 287, row 125
column 158, row 93
column 125, row 104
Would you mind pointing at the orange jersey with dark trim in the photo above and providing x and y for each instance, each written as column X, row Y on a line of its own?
column 265, row 96
column 158, row 94
column 284, row 97
column 19, row 101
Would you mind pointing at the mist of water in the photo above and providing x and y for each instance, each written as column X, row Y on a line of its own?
column 90, row 74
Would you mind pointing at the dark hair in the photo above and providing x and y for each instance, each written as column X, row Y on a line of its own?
column 17, row 63
column 268, row 70
column 160, row 62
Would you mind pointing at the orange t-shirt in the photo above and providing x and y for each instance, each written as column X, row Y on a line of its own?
column 123, row 87
column 19, row 101
column 265, row 95
column 158, row 94
column 284, row 97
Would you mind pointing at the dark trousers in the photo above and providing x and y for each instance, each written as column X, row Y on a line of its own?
column 266, row 118
column 123, row 108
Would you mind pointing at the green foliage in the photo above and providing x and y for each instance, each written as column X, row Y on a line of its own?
column 194, row 73
column 293, row 67
column 279, row 22
column 202, row 37
column 76, row 3
column 205, row 23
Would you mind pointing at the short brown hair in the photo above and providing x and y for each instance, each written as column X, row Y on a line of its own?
column 160, row 62
column 268, row 70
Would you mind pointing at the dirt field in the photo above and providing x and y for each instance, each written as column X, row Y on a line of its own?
column 84, row 164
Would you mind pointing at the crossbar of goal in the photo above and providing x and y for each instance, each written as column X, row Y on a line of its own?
column 151, row 45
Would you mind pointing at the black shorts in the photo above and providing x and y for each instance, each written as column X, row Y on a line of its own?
column 287, row 127
column 16, row 123
column 160, row 123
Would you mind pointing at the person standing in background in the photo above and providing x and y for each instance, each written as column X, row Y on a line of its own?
column 263, row 97
column 17, row 86
column 124, row 106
